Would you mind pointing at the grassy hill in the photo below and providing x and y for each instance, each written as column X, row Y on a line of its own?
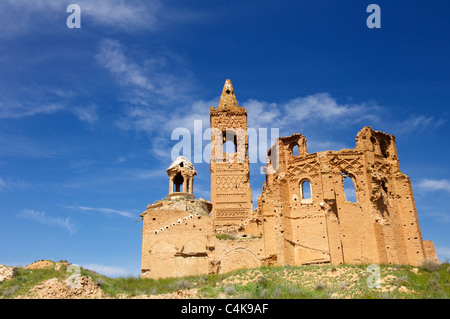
column 313, row 281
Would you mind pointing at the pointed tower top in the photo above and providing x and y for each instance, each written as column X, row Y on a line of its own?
column 228, row 98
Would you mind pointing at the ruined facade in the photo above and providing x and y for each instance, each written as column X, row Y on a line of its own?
column 350, row 206
column 309, row 216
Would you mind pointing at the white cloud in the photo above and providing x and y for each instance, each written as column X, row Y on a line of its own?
column 13, row 184
column 15, row 145
column 88, row 114
column 263, row 114
column 311, row 109
column 109, row 271
column 43, row 218
column 22, row 16
column 147, row 81
column 418, row 123
column 112, row 56
column 17, row 110
column 434, row 185
column 318, row 146
column 443, row 253
column 2, row 183
column 107, row 211
column 441, row 217
column 122, row 14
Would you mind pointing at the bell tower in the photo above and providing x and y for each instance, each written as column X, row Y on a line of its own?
column 231, row 195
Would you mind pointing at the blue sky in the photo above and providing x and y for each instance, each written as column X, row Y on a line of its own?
column 87, row 115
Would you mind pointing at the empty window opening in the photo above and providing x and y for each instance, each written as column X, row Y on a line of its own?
column 229, row 142
column 374, row 141
column 178, row 183
column 384, row 149
column 295, row 151
column 349, row 188
column 384, row 186
column 305, row 191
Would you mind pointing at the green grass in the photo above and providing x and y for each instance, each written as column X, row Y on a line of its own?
column 26, row 279
column 304, row 282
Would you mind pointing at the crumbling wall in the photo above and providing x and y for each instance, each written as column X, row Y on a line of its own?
column 175, row 243
column 350, row 206
column 179, row 242
column 378, row 224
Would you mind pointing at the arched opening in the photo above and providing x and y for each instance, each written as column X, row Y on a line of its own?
column 384, row 149
column 349, row 188
column 374, row 141
column 178, row 183
column 305, row 191
column 384, row 202
column 229, row 142
column 384, row 185
column 295, row 151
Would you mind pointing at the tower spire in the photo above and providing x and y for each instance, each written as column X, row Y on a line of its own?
column 228, row 98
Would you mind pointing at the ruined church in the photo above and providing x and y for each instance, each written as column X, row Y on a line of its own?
column 304, row 214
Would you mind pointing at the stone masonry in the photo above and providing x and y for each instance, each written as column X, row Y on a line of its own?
column 350, row 206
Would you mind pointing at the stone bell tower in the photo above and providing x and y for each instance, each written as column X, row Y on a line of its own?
column 231, row 195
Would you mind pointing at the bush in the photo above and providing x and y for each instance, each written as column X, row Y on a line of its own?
column 230, row 290
column 430, row 266
column 9, row 292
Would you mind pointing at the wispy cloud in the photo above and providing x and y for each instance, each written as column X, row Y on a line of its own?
column 309, row 110
column 443, row 253
column 88, row 114
column 106, row 211
column 109, row 271
column 34, row 99
column 441, row 217
column 43, row 218
column 434, row 185
column 147, row 81
column 418, row 123
column 121, row 14
column 322, row 106
column 2, row 184
column 15, row 145
column 319, row 145
column 20, row 16
column 13, row 184
column 17, row 110
column 112, row 56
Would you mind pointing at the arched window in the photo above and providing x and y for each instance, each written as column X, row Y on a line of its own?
column 374, row 142
column 229, row 142
column 349, row 188
column 178, row 183
column 384, row 185
column 295, row 151
column 305, row 191
column 384, row 149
